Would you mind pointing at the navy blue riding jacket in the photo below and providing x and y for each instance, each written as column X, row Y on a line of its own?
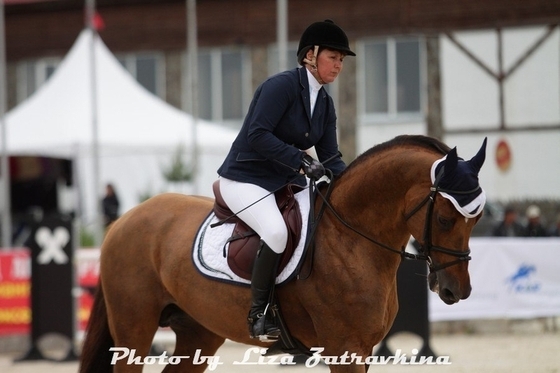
column 269, row 147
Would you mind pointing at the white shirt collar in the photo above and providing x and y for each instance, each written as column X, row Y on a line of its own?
column 314, row 88
column 314, row 85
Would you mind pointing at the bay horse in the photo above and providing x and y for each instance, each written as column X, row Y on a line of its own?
column 346, row 303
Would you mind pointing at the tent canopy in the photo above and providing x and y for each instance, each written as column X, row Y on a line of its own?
column 60, row 112
column 138, row 133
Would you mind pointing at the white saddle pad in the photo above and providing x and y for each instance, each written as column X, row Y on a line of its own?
column 208, row 247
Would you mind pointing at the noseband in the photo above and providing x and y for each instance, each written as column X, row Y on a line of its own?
column 427, row 246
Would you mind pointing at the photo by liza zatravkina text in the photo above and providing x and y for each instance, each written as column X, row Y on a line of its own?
column 347, row 358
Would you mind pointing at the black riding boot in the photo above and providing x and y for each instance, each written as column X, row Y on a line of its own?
column 261, row 323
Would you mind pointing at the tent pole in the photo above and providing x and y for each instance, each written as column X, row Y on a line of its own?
column 192, row 53
column 5, row 164
column 97, row 223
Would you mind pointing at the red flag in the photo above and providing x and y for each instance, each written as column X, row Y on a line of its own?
column 97, row 22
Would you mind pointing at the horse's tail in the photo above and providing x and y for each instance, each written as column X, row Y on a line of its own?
column 96, row 357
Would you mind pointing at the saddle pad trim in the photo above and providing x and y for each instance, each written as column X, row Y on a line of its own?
column 208, row 248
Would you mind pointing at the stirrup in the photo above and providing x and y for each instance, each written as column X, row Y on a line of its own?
column 269, row 337
column 271, row 332
column 272, row 335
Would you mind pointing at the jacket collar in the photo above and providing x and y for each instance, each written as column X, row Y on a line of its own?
column 304, row 82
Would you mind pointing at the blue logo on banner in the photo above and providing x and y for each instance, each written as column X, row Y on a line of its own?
column 523, row 280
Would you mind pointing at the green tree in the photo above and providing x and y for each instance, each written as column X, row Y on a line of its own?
column 178, row 171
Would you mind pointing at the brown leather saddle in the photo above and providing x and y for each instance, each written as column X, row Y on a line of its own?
column 244, row 242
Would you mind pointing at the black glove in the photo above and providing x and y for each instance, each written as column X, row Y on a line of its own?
column 313, row 168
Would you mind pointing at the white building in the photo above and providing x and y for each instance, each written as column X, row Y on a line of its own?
column 470, row 98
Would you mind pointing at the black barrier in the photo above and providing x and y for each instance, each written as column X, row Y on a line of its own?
column 52, row 280
column 413, row 316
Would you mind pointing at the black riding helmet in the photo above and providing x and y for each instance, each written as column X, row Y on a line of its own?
column 324, row 34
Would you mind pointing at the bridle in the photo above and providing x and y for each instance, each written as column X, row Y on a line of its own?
column 426, row 248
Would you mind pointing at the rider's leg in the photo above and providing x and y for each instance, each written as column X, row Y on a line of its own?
column 262, row 282
column 265, row 219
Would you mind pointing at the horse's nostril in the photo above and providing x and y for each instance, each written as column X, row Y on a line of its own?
column 446, row 293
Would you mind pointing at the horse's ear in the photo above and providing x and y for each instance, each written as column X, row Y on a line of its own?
column 478, row 160
column 451, row 161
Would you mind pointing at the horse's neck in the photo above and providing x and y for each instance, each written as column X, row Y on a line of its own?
column 372, row 197
column 377, row 184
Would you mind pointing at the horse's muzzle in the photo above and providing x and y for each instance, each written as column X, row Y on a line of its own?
column 450, row 292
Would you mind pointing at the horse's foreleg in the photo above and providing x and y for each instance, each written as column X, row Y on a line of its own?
column 195, row 346
column 346, row 352
column 347, row 362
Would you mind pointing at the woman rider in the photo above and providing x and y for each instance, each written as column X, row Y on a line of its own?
column 290, row 113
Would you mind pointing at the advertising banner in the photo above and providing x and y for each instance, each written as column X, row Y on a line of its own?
column 15, row 271
column 511, row 278
column 15, row 288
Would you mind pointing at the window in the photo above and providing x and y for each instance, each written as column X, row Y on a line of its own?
column 408, row 76
column 273, row 60
column 32, row 74
column 392, row 79
column 204, row 86
column 223, row 85
column 148, row 69
column 232, row 83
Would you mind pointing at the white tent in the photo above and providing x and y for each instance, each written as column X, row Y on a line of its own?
column 138, row 132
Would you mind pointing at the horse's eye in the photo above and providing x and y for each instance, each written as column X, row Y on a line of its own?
column 445, row 223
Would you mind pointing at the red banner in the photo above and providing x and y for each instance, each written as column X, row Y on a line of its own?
column 15, row 275
column 88, row 273
column 15, row 271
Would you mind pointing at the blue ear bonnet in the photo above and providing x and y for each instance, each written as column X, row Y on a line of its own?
column 459, row 181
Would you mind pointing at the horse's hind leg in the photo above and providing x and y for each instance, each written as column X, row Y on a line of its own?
column 192, row 340
column 134, row 339
column 133, row 322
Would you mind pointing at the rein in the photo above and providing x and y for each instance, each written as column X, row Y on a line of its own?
column 425, row 249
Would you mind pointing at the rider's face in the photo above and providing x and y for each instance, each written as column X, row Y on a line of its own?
column 329, row 64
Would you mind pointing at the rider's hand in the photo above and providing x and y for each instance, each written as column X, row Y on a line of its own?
column 313, row 168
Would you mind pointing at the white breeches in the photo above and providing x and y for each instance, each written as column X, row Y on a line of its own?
column 263, row 217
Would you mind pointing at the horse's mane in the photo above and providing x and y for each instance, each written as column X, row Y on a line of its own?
column 425, row 142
